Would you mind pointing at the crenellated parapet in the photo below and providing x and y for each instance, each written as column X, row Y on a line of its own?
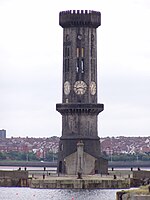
column 80, row 18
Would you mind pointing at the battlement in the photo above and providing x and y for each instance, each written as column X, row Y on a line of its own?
column 80, row 18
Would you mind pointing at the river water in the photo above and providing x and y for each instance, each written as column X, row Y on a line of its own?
column 11, row 193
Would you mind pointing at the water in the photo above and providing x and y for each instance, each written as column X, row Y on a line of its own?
column 54, row 168
column 27, row 168
column 12, row 193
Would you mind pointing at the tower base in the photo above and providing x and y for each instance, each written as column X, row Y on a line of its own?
column 83, row 163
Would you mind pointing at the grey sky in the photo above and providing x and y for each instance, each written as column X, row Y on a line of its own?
column 31, row 66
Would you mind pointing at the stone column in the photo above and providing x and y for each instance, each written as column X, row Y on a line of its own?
column 80, row 152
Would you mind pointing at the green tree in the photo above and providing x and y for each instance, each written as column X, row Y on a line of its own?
column 51, row 156
column 31, row 156
column 2, row 156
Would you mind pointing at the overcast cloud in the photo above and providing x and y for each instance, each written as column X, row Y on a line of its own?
column 31, row 66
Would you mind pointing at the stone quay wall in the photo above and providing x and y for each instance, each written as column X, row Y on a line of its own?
column 131, row 196
column 79, row 184
column 141, row 174
column 13, row 178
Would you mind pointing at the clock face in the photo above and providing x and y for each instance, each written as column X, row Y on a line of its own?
column 67, row 87
column 80, row 87
column 93, row 88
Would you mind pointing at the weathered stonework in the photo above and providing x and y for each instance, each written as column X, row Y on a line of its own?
column 79, row 107
column 131, row 196
column 74, row 183
column 13, row 178
column 80, row 162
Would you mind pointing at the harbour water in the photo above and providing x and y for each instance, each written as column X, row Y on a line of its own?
column 54, row 168
column 11, row 193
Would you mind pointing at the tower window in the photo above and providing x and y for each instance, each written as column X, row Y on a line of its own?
column 67, row 37
column 91, row 50
column 65, row 51
column 77, row 67
column 77, row 52
column 82, row 52
column 68, row 51
column 66, row 65
column 82, row 65
column 93, row 68
column 92, row 37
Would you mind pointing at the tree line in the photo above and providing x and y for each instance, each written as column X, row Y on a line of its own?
column 30, row 156
column 51, row 156
column 128, row 157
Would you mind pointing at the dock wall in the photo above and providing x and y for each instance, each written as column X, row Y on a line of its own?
column 131, row 196
column 79, row 184
column 13, row 178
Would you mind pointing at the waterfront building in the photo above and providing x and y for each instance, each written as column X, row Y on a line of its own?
column 79, row 147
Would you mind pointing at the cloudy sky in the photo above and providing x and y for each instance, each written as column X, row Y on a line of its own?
column 31, row 66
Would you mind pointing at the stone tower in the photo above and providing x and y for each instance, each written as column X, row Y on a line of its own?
column 79, row 107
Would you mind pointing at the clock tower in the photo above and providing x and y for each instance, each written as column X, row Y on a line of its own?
column 79, row 148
